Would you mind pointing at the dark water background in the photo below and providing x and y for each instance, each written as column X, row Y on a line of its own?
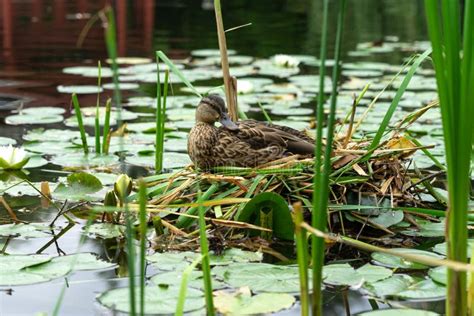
column 38, row 39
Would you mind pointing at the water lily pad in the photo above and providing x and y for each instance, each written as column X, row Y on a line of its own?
column 234, row 255
column 44, row 110
column 122, row 86
column 341, row 274
column 261, row 277
column 41, row 134
column 243, row 303
column 88, row 71
column 426, row 289
column 52, row 147
column 439, row 274
column 85, row 89
column 106, row 230
column 129, row 60
column 442, row 248
column 33, row 230
column 81, row 161
column 168, row 261
column 38, row 118
column 7, row 141
column 35, row 162
column 29, row 269
column 400, row 312
column 158, row 300
column 170, row 160
column 292, row 111
column 392, row 261
column 390, row 286
column 427, row 229
column 210, row 52
column 173, row 278
column 78, row 186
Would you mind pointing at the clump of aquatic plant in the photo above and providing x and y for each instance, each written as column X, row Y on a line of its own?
column 453, row 58
column 12, row 158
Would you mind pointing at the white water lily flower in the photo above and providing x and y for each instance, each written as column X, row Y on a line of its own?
column 12, row 157
column 286, row 61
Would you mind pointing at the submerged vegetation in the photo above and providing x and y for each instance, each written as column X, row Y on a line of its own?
column 238, row 240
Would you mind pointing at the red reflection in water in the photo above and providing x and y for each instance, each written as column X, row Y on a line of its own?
column 39, row 38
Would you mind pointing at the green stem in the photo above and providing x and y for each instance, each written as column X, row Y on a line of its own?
column 80, row 124
column 143, row 228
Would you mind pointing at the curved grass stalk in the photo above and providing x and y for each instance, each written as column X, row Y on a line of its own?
column 321, row 178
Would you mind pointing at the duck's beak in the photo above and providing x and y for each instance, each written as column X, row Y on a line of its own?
column 227, row 122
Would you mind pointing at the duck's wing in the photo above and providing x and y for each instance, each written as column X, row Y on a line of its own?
column 261, row 135
column 230, row 150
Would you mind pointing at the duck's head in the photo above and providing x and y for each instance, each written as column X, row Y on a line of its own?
column 212, row 109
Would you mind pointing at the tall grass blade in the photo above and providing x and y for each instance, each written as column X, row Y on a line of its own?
column 177, row 72
column 205, row 265
column 159, row 119
column 142, row 198
column 396, row 99
column 184, row 284
column 106, row 131
column 321, row 178
column 80, row 124
column 302, row 257
column 455, row 79
column 97, row 113
column 183, row 221
column 111, row 43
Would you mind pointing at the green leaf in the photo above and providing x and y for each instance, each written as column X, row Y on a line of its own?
column 260, row 277
column 283, row 226
column 391, row 286
column 158, row 300
column 400, row 312
column 392, row 261
column 106, row 230
column 78, row 186
column 34, row 230
column 245, row 304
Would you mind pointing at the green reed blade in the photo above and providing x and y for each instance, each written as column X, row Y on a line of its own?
column 159, row 118
column 267, row 117
column 183, row 221
column 184, row 285
column 142, row 198
column 106, row 131
column 396, row 99
column 321, row 178
column 111, row 43
column 80, row 124
column 177, row 72
column 302, row 257
column 205, row 265
column 97, row 115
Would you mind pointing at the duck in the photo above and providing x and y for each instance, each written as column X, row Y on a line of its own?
column 246, row 143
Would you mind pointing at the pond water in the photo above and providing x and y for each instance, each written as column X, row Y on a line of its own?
column 40, row 52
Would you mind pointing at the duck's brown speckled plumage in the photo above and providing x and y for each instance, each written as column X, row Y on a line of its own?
column 251, row 144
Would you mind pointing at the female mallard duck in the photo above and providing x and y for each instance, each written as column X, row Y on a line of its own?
column 247, row 143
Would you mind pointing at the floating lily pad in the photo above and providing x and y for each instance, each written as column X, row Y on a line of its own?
column 392, row 261
column 442, row 248
column 341, row 274
column 41, row 134
column 44, row 110
column 170, row 160
column 210, row 52
column 33, row 230
column 427, row 229
column 88, row 71
column 21, row 119
column 15, row 189
column 292, row 111
column 129, row 60
column 106, row 230
column 400, row 312
column 168, row 261
column 81, row 161
column 426, row 289
column 261, row 277
column 439, row 274
column 158, row 300
column 79, row 89
column 390, row 286
column 173, row 278
column 30, row 269
column 35, row 162
column 122, row 86
column 52, row 147
column 7, row 141
column 243, row 303
column 78, row 186
column 234, row 255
